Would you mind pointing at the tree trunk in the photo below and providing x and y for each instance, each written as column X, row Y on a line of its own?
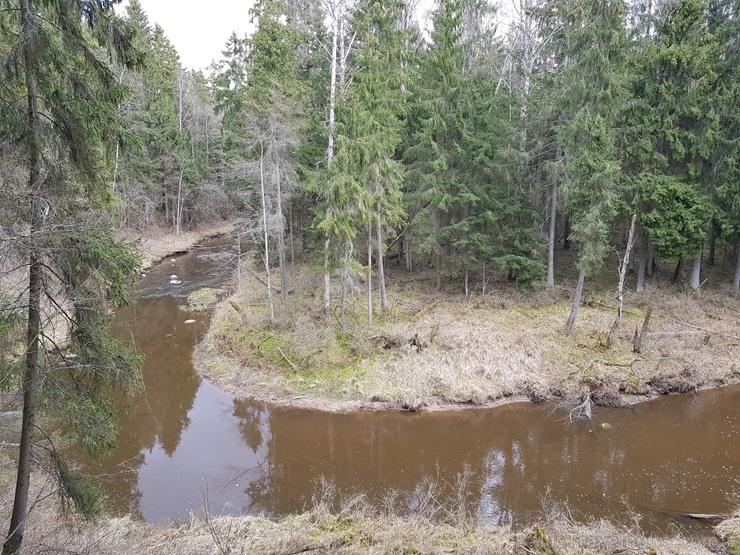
column 438, row 267
column 32, row 374
column 576, row 303
column 551, row 237
column 677, row 271
column 695, row 281
column 712, row 244
column 381, row 268
column 566, row 232
column 736, row 283
column 178, row 208
column 644, row 260
column 31, row 381
column 620, row 287
column 266, row 237
column 370, row 275
column 348, row 249
column 281, row 240
column 484, row 281
column 330, row 155
column 292, row 240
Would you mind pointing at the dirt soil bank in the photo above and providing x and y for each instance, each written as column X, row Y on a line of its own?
column 156, row 244
column 432, row 351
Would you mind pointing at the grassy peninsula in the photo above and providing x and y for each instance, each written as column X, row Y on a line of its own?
column 433, row 349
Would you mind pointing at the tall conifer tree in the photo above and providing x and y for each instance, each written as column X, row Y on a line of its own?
column 70, row 99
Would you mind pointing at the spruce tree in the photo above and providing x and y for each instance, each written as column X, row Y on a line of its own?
column 364, row 187
column 71, row 98
column 590, row 94
column 673, row 131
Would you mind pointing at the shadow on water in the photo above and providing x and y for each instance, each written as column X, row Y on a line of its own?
column 185, row 444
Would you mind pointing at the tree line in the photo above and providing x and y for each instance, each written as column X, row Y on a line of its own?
column 348, row 132
column 342, row 129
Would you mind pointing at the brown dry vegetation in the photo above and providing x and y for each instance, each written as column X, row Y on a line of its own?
column 431, row 349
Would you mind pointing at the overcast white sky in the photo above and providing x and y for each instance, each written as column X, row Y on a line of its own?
column 198, row 29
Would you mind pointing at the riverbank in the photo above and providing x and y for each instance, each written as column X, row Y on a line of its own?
column 432, row 351
column 157, row 243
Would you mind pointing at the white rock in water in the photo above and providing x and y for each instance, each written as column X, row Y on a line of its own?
column 172, row 260
column 189, row 322
column 175, row 282
column 173, row 276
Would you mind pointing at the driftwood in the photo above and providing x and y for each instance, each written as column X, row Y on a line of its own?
column 706, row 516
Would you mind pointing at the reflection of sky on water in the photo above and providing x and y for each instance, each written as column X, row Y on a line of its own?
column 489, row 509
column 211, row 462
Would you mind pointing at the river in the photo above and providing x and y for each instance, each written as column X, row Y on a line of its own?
column 185, row 445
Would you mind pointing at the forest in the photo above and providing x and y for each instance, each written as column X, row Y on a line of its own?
column 344, row 135
column 482, row 143
column 340, row 125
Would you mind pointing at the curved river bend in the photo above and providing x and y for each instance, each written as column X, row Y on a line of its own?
column 185, row 444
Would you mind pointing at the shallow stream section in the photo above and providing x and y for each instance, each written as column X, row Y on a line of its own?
column 186, row 446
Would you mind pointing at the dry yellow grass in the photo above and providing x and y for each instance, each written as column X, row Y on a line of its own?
column 349, row 532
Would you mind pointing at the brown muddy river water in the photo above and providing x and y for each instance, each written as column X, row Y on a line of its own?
column 185, row 444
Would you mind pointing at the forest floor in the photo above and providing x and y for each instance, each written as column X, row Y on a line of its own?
column 441, row 350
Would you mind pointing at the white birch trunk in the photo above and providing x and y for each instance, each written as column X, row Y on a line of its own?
column 622, row 275
column 330, row 153
column 178, row 207
column 695, row 281
column 266, row 236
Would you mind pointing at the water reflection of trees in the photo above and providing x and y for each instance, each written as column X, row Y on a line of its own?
column 520, row 460
column 159, row 413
